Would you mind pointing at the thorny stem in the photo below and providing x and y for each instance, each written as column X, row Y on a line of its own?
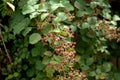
column 4, row 45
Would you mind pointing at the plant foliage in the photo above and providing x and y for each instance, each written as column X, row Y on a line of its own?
column 57, row 40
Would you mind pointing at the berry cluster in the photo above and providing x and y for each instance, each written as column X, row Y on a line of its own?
column 110, row 33
column 70, row 73
column 63, row 45
column 59, row 41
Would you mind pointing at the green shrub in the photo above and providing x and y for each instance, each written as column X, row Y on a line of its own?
column 56, row 39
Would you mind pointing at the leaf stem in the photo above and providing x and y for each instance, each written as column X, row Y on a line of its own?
column 4, row 44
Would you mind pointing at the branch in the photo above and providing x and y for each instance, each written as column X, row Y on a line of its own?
column 4, row 44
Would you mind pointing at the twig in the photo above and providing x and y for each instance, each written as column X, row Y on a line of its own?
column 4, row 44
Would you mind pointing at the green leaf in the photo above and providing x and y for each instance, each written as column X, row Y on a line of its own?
column 24, row 67
column 113, row 23
column 94, row 4
column 80, row 4
column 54, row 5
column 47, row 29
column 85, row 25
column 106, row 67
column 21, row 25
column 39, row 66
column 34, row 14
column 62, row 16
column 56, row 43
column 41, row 76
column 34, row 38
column 56, row 30
column 92, row 20
column 32, row 2
column 117, row 76
column 77, row 4
column 16, row 74
column 106, row 14
column 57, row 20
column 15, row 18
column 68, row 40
column 92, row 73
column 86, row 39
column 50, row 72
column 97, row 77
column 30, row 72
column 98, row 70
column 80, row 13
column 21, row 3
column 77, row 58
column 66, row 4
column 27, row 9
column 74, row 28
column 116, row 18
column 89, row 61
column 10, row 76
column 57, row 58
column 54, row 62
column 44, row 15
column 102, row 76
column 46, row 60
column 85, row 67
column 80, row 50
column 26, row 31
column 48, row 53
column 63, row 33
column 41, row 7
column 91, row 35
column 35, row 52
column 89, row 11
